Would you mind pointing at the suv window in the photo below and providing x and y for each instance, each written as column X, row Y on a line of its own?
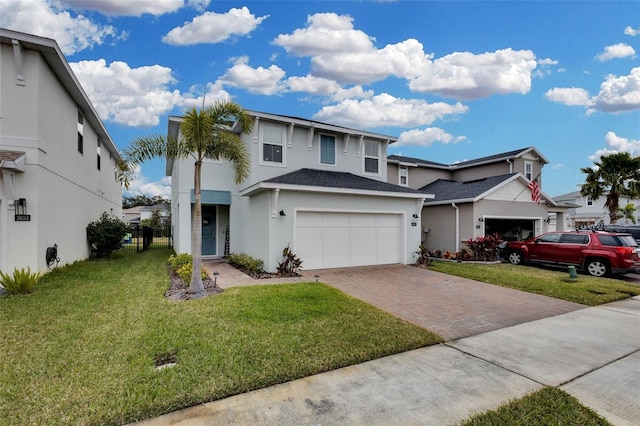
column 575, row 239
column 549, row 238
column 617, row 240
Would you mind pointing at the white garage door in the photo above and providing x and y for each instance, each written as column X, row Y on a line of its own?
column 334, row 240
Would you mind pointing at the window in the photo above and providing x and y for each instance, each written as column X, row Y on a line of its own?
column 327, row 149
column 549, row 238
column 575, row 239
column 80, row 133
column 98, row 154
column 589, row 201
column 272, row 145
column 403, row 173
column 371, row 156
column 528, row 170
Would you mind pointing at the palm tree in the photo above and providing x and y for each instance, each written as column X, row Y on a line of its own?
column 628, row 212
column 204, row 134
column 615, row 175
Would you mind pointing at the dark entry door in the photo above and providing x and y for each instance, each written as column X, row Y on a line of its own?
column 208, row 230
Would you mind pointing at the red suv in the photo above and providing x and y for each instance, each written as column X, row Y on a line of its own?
column 596, row 252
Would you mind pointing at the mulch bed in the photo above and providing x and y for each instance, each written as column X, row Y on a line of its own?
column 178, row 288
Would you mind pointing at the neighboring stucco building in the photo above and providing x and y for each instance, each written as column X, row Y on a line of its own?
column 57, row 160
column 586, row 212
column 320, row 188
column 478, row 197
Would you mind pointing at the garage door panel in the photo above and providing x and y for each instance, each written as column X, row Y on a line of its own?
column 333, row 240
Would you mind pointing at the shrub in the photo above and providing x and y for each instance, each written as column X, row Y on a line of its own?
column 423, row 257
column 22, row 281
column 105, row 235
column 182, row 264
column 484, row 248
column 246, row 263
column 290, row 263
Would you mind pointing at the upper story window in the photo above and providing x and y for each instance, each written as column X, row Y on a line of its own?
column 80, row 133
column 327, row 149
column 98, row 154
column 403, row 175
column 272, row 144
column 528, row 170
column 589, row 201
column 371, row 157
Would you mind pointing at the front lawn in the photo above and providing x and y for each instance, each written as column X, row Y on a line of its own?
column 82, row 348
column 549, row 406
column 584, row 289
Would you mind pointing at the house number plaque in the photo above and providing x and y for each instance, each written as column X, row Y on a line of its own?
column 23, row 218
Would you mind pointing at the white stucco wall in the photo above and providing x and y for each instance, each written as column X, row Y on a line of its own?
column 64, row 189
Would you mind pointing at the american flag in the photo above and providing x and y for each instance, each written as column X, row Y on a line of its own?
column 534, row 186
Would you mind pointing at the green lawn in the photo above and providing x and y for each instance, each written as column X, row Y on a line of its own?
column 584, row 289
column 81, row 349
column 549, row 406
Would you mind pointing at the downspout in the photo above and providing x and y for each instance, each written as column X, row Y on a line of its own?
column 510, row 166
column 457, row 226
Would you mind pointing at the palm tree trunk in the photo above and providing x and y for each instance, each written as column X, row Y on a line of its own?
column 196, row 288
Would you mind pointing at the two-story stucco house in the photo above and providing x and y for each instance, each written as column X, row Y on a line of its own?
column 319, row 188
column 57, row 160
column 586, row 212
column 478, row 197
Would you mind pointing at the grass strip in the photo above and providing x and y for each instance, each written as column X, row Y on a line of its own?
column 584, row 289
column 82, row 348
column 548, row 406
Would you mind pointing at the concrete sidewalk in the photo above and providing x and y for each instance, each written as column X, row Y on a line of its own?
column 592, row 353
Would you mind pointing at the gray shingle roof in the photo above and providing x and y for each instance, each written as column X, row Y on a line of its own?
column 330, row 179
column 403, row 159
column 452, row 190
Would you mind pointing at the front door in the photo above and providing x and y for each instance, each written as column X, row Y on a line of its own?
column 208, row 230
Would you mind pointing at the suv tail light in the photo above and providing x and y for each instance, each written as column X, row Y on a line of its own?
column 626, row 251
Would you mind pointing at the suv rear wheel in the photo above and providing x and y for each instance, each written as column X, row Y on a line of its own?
column 597, row 267
column 515, row 257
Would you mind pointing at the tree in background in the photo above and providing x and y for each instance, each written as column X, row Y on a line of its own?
column 616, row 175
column 628, row 212
column 204, row 134
column 143, row 200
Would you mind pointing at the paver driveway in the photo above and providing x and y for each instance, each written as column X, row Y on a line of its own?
column 451, row 306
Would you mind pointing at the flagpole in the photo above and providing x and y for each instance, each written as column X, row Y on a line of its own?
column 520, row 193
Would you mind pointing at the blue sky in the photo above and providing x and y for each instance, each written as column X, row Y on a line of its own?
column 453, row 80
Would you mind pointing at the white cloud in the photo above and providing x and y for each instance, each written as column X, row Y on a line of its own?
column 632, row 31
column 571, row 96
column 264, row 81
column 42, row 18
column 324, row 87
column 466, row 76
column 140, row 185
column 618, row 94
column 620, row 50
column 132, row 8
column 326, row 33
column 386, row 110
column 616, row 144
column 547, row 61
column 427, row 137
column 214, row 27
column 134, row 97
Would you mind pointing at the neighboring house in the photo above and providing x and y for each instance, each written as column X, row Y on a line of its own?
column 57, row 160
column 586, row 212
column 134, row 215
column 318, row 188
column 478, row 197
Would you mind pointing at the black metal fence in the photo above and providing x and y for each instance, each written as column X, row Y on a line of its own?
column 141, row 238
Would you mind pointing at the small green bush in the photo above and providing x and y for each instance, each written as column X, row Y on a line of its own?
column 179, row 260
column 22, row 281
column 105, row 235
column 246, row 263
column 183, row 265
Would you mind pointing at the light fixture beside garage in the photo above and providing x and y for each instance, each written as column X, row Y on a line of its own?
column 481, row 219
column 282, row 213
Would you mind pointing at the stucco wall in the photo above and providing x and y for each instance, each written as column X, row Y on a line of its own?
column 64, row 189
